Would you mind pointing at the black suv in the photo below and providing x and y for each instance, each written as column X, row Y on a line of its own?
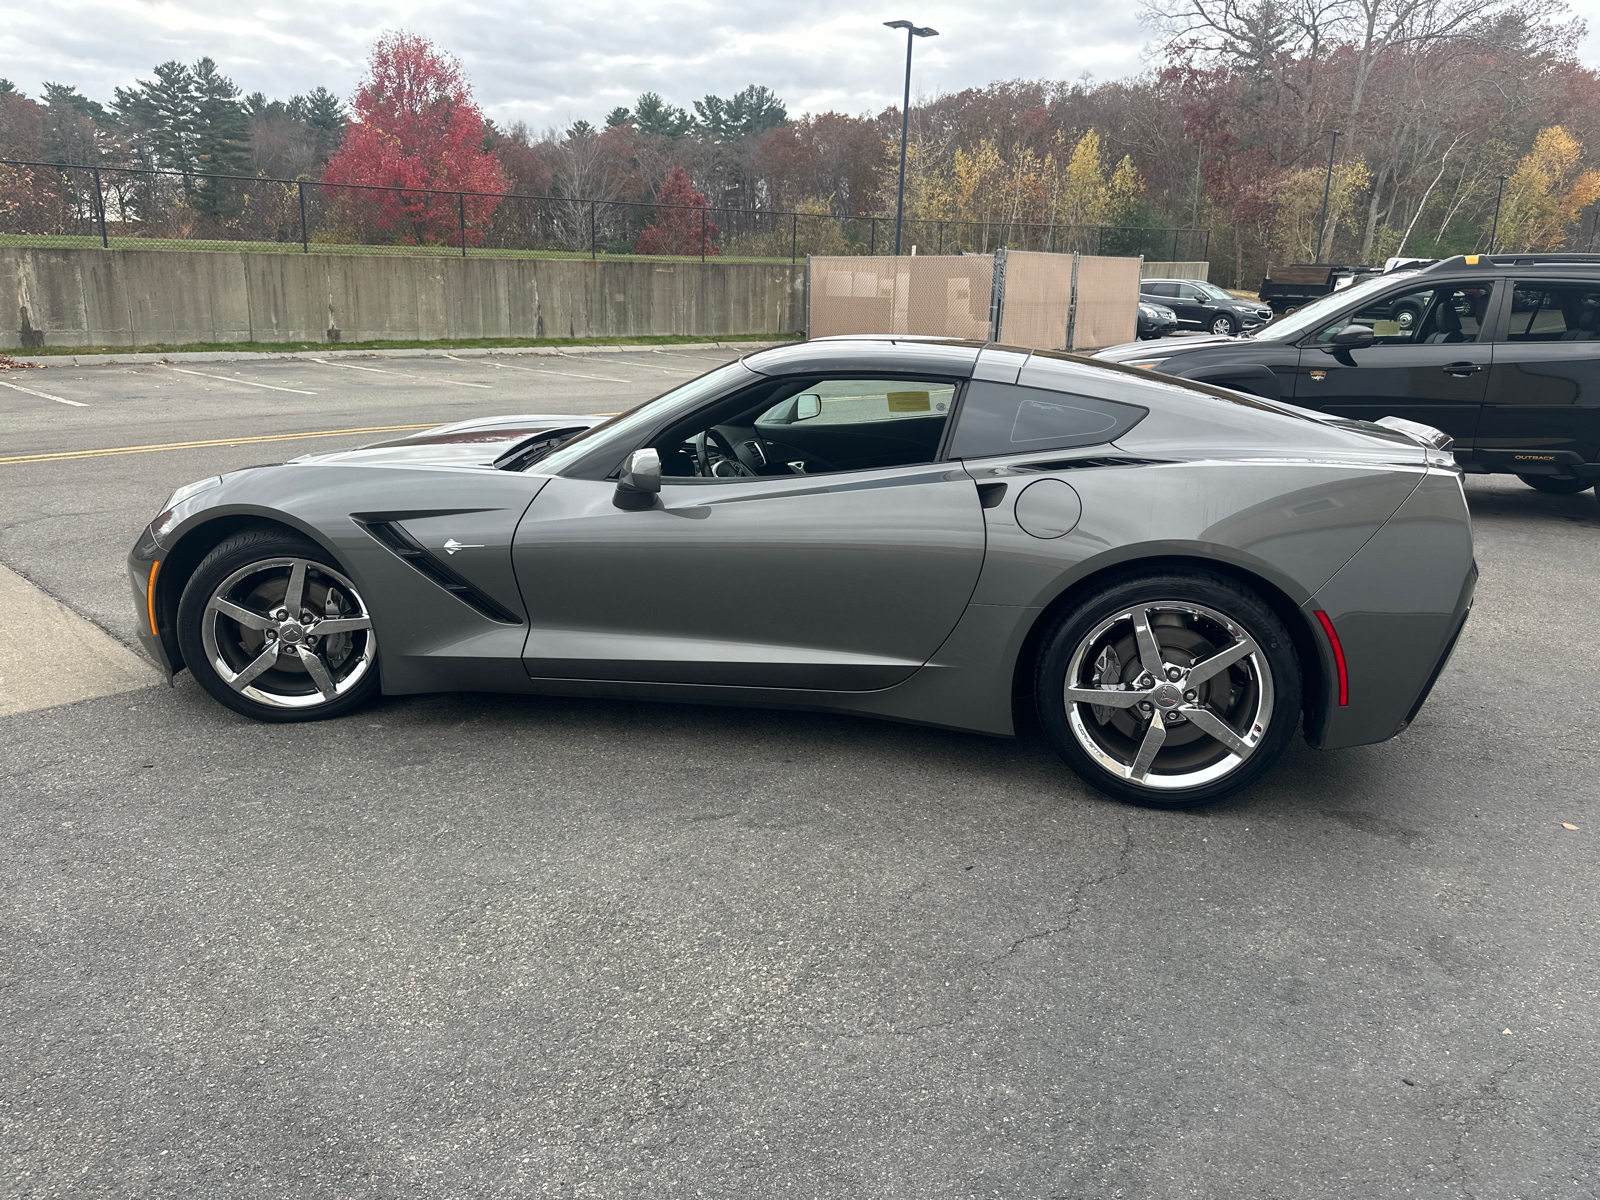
column 1501, row 351
column 1202, row 305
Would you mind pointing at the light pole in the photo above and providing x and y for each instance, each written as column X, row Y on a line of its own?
column 912, row 31
column 1495, row 228
column 1322, row 225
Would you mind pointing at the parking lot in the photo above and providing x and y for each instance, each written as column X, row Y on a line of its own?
column 475, row 945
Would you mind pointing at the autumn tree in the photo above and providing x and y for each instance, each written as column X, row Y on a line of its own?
column 1543, row 199
column 681, row 225
column 415, row 127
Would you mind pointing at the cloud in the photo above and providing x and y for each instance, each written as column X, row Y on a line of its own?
column 547, row 63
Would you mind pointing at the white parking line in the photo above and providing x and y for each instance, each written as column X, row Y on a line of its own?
column 271, row 387
column 353, row 367
column 42, row 395
column 564, row 374
column 628, row 366
column 671, row 354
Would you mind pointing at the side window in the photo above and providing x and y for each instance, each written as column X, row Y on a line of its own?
column 1160, row 289
column 1563, row 312
column 1421, row 316
column 811, row 426
column 1188, row 291
column 1001, row 418
column 859, row 401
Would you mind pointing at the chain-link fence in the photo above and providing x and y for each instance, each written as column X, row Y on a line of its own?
column 55, row 204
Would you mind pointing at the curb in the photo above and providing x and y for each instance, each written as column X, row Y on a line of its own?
column 213, row 356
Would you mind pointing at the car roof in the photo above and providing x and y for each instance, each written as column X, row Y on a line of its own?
column 1551, row 263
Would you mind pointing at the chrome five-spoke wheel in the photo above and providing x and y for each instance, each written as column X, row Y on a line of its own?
column 274, row 631
column 1170, row 691
column 288, row 632
column 1169, row 694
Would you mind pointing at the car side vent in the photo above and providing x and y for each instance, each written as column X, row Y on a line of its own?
column 393, row 537
column 1078, row 464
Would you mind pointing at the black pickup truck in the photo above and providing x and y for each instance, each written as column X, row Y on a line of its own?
column 1293, row 285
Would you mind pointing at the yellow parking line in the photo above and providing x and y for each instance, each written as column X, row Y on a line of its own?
column 66, row 455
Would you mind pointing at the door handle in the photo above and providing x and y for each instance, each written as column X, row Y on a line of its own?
column 1462, row 368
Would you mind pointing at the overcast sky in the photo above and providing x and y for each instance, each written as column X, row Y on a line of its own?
column 547, row 63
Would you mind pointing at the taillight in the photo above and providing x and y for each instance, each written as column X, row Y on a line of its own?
column 1338, row 657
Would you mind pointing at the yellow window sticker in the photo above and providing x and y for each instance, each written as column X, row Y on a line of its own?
column 910, row 402
column 1386, row 328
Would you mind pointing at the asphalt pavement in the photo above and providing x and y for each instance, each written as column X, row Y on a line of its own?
column 463, row 946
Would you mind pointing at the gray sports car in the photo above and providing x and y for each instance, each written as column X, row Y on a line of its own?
column 1174, row 576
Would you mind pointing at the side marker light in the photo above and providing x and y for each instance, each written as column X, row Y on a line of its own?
column 150, row 597
column 1338, row 658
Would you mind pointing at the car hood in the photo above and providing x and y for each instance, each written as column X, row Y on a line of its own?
column 465, row 443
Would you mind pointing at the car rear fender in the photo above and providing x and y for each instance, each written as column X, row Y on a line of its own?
column 1396, row 608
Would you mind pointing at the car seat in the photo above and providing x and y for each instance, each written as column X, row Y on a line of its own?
column 1585, row 332
column 1449, row 320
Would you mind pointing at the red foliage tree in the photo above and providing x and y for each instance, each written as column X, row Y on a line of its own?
column 414, row 125
column 680, row 229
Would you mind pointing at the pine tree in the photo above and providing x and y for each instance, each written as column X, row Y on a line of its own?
column 221, row 139
column 162, row 113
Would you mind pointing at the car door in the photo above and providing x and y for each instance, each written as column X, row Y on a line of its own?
column 1542, row 409
column 1192, row 305
column 1433, row 369
column 811, row 576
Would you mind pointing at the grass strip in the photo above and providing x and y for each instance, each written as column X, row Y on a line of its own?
column 675, row 339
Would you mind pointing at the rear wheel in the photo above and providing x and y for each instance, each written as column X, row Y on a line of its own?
column 1170, row 690
column 271, row 627
column 1556, row 486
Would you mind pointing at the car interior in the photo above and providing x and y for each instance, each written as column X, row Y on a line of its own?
column 810, row 426
column 1554, row 314
column 1427, row 316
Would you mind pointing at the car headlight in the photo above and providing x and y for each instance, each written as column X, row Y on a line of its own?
column 1146, row 311
column 166, row 519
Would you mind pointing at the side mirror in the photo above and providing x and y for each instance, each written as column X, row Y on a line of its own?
column 1353, row 337
column 639, row 482
column 807, row 406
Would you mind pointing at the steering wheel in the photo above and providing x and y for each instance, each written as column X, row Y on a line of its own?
column 724, row 447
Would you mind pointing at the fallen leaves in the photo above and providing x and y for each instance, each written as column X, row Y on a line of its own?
column 7, row 363
column 1565, row 825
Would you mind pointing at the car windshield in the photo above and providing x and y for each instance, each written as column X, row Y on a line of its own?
column 646, row 416
column 1212, row 290
column 1286, row 329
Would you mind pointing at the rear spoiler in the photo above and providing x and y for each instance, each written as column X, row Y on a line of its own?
column 1425, row 436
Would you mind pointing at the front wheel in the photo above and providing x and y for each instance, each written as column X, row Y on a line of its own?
column 1221, row 324
column 1555, row 486
column 272, row 628
column 1170, row 690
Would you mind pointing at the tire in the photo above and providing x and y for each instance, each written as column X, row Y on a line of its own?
column 1224, row 324
column 1254, row 701
column 244, row 646
column 1406, row 317
column 1554, row 486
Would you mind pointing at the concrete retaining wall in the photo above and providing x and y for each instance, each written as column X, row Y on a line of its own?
column 143, row 297
column 1175, row 270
